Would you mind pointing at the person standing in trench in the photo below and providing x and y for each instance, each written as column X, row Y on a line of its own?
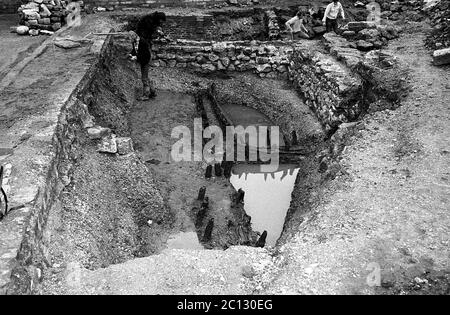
column 149, row 27
column 330, row 18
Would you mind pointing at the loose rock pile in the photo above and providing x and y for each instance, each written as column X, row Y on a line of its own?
column 366, row 36
column 408, row 10
column 41, row 16
column 440, row 20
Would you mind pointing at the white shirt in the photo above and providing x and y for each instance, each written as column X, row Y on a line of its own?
column 333, row 10
column 295, row 24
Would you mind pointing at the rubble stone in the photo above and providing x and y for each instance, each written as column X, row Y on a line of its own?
column 108, row 145
column 124, row 145
column 98, row 132
column 22, row 30
column 441, row 57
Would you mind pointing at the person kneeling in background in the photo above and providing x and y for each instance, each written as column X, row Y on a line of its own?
column 296, row 27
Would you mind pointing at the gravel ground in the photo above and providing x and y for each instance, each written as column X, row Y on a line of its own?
column 391, row 209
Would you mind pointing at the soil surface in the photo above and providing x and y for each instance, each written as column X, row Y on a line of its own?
column 387, row 218
column 14, row 48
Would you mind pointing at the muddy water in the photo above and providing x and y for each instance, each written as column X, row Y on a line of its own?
column 246, row 116
column 151, row 124
column 267, row 196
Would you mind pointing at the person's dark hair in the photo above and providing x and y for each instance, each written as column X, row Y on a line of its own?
column 149, row 24
column 299, row 14
column 160, row 17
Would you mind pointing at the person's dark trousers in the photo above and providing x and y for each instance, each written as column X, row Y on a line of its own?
column 332, row 25
column 148, row 89
column 144, row 57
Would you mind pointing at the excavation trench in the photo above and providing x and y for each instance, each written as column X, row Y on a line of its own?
column 117, row 207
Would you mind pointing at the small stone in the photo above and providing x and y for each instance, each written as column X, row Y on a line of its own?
column 33, row 32
column 45, row 12
column 348, row 33
column 124, row 145
column 264, row 68
column 108, row 145
column 44, row 21
column 225, row 62
column 57, row 26
column 67, row 44
column 209, row 67
column 364, row 46
column 22, row 30
column 282, row 69
column 441, row 57
column 98, row 132
column 248, row 272
column 49, row 33
column 213, row 57
column 31, row 14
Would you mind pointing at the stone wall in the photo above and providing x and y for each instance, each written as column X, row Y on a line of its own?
column 329, row 88
column 153, row 3
column 194, row 27
column 10, row 6
column 267, row 60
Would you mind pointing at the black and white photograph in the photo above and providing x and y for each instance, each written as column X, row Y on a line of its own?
column 224, row 155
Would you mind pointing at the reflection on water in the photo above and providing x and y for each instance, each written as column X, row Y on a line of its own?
column 267, row 196
column 188, row 240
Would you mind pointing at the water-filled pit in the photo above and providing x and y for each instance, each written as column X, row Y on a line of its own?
column 121, row 207
column 267, row 196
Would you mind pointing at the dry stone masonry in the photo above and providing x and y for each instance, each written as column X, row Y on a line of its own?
column 41, row 15
column 328, row 86
column 330, row 89
column 439, row 14
column 273, row 25
column 267, row 60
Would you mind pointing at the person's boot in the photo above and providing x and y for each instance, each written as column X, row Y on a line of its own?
column 152, row 93
column 146, row 94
